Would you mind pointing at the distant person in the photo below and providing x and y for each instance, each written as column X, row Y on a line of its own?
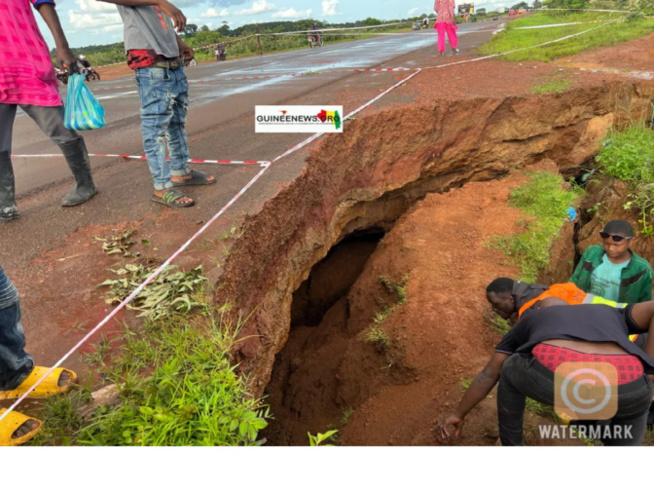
column 158, row 56
column 445, row 24
column 425, row 22
column 314, row 28
column 28, row 80
column 612, row 270
column 17, row 371
column 527, row 358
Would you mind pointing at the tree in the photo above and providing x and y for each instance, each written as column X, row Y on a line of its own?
column 538, row 4
column 224, row 29
column 190, row 29
column 481, row 11
column 204, row 28
column 521, row 5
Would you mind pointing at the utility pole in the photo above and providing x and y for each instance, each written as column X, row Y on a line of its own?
column 259, row 39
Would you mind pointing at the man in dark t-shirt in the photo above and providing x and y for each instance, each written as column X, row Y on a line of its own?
column 544, row 339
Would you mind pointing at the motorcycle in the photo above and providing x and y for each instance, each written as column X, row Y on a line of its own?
column 416, row 26
column 220, row 54
column 315, row 40
column 89, row 74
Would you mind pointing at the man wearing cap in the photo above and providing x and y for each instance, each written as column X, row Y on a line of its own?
column 612, row 270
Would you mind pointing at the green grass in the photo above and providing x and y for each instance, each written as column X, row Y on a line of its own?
column 501, row 325
column 189, row 394
column 629, row 155
column 551, row 86
column 608, row 35
column 378, row 338
column 544, row 202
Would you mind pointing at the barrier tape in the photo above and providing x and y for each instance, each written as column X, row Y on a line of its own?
column 263, row 163
column 227, row 206
column 558, row 25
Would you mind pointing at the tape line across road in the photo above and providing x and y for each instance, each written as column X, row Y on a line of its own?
column 185, row 246
column 263, row 163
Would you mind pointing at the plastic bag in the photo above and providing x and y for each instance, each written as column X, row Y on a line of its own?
column 83, row 111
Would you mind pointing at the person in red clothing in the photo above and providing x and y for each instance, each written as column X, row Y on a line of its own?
column 28, row 80
column 445, row 24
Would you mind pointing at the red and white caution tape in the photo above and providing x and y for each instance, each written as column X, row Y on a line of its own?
column 263, row 163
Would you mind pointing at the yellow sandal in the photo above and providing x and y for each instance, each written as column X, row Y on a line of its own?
column 10, row 424
column 49, row 387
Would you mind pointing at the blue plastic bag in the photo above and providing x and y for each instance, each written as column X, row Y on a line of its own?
column 83, row 111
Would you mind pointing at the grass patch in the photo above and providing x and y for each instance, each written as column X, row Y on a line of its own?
column 378, row 338
column 628, row 155
column 501, row 325
column 609, row 35
column 191, row 396
column 552, row 86
column 545, row 202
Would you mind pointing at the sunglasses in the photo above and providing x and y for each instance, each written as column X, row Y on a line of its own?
column 616, row 238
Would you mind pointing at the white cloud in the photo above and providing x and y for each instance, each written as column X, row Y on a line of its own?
column 212, row 12
column 97, row 19
column 292, row 14
column 329, row 7
column 95, row 6
column 258, row 7
column 413, row 12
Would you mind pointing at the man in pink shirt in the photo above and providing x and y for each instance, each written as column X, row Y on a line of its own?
column 28, row 80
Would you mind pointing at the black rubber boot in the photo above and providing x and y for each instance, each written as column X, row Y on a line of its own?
column 8, row 208
column 78, row 160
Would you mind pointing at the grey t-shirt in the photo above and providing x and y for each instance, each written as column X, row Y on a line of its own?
column 147, row 27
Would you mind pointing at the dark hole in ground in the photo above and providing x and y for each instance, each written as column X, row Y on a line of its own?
column 332, row 278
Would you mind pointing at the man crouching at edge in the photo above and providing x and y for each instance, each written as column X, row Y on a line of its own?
column 553, row 333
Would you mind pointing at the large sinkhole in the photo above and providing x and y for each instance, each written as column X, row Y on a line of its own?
column 415, row 191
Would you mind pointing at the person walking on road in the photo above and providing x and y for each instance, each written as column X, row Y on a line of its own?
column 28, row 80
column 157, row 55
column 17, row 371
column 445, row 24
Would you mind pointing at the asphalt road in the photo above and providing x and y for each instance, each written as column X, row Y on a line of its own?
column 215, row 102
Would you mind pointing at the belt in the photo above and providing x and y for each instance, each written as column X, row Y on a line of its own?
column 171, row 65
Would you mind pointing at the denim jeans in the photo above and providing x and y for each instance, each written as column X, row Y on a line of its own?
column 523, row 376
column 164, row 105
column 15, row 364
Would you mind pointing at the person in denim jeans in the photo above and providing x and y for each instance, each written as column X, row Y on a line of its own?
column 587, row 338
column 17, row 370
column 158, row 56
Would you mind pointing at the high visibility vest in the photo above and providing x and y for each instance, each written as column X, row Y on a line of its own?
column 574, row 296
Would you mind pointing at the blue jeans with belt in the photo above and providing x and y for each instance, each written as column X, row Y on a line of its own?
column 164, row 105
column 15, row 364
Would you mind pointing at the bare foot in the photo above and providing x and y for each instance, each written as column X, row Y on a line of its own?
column 25, row 428
column 188, row 177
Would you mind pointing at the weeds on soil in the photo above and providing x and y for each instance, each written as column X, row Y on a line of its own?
column 374, row 334
column 624, row 29
column 628, row 155
column 544, row 201
column 501, row 325
column 187, row 395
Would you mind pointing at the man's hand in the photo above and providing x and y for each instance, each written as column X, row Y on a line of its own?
column 441, row 428
column 66, row 59
column 178, row 18
column 185, row 51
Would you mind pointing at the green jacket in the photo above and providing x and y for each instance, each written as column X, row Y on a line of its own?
column 636, row 284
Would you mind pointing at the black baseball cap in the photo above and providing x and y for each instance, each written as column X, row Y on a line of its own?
column 619, row 227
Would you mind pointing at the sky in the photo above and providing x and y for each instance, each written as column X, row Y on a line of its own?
column 88, row 22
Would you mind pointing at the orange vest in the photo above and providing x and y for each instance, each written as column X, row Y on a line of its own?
column 574, row 296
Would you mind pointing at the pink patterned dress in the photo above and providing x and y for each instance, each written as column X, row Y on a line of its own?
column 27, row 75
column 445, row 11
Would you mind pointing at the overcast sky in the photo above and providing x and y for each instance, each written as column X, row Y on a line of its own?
column 93, row 22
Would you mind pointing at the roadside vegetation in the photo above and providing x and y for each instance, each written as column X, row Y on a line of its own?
column 622, row 28
column 544, row 202
column 628, row 155
column 170, row 378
